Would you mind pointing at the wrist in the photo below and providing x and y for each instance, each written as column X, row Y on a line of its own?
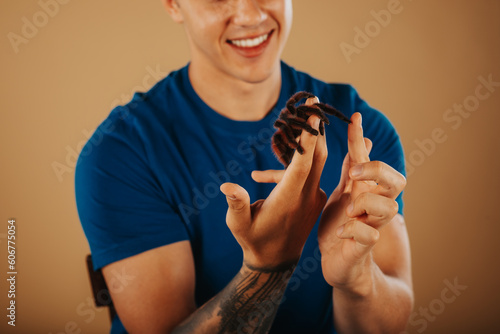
column 286, row 268
column 362, row 281
column 269, row 263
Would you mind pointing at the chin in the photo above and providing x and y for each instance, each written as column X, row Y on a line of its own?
column 255, row 78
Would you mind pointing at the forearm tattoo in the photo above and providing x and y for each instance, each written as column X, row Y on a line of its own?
column 250, row 302
column 247, row 305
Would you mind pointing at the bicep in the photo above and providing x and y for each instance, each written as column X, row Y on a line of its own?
column 153, row 291
column 392, row 251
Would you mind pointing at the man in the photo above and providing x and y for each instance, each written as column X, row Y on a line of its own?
column 148, row 201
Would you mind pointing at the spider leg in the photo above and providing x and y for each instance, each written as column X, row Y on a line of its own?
column 288, row 158
column 293, row 120
column 299, row 96
column 290, row 104
column 281, row 150
column 279, row 143
column 300, row 124
column 289, row 135
column 327, row 109
column 308, row 111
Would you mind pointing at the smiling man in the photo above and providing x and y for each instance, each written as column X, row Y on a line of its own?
column 296, row 260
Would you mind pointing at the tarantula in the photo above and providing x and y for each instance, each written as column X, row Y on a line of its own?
column 293, row 119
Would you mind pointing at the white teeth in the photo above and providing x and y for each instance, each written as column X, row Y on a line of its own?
column 250, row 43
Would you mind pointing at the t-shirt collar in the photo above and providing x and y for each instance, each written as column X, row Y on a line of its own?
column 241, row 127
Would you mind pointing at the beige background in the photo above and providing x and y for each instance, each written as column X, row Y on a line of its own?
column 91, row 55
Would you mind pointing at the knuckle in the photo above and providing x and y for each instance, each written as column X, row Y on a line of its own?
column 374, row 236
column 394, row 208
column 378, row 167
column 322, row 156
column 238, row 206
column 322, row 151
column 401, row 182
column 362, row 199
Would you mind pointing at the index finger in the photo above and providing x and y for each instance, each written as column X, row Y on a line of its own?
column 355, row 141
column 299, row 169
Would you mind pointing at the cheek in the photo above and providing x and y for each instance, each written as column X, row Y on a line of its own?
column 282, row 12
column 209, row 26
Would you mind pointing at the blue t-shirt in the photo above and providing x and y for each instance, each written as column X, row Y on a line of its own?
column 150, row 176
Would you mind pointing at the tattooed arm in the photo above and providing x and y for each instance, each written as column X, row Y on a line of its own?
column 160, row 282
column 247, row 305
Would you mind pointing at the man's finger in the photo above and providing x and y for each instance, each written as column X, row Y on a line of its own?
column 368, row 145
column 374, row 210
column 238, row 200
column 358, row 152
column 344, row 183
column 364, row 234
column 298, row 171
column 268, row 176
column 319, row 160
column 389, row 181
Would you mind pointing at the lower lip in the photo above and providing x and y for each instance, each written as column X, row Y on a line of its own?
column 253, row 51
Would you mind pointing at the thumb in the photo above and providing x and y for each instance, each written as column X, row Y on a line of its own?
column 238, row 200
column 268, row 176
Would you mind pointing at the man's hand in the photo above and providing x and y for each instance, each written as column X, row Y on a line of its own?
column 272, row 232
column 362, row 203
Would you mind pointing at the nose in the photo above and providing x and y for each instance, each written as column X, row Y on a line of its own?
column 249, row 13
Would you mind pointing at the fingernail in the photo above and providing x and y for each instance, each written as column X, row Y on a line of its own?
column 340, row 230
column 231, row 197
column 357, row 170
column 360, row 121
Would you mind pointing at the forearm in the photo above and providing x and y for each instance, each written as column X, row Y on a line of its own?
column 382, row 304
column 248, row 304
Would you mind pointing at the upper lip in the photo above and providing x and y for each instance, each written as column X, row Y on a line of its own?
column 250, row 36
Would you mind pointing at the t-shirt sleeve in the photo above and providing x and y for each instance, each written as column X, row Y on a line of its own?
column 121, row 206
column 387, row 145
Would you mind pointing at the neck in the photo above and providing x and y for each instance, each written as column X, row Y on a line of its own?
column 236, row 99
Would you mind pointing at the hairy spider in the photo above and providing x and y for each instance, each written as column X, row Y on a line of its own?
column 293, row 119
